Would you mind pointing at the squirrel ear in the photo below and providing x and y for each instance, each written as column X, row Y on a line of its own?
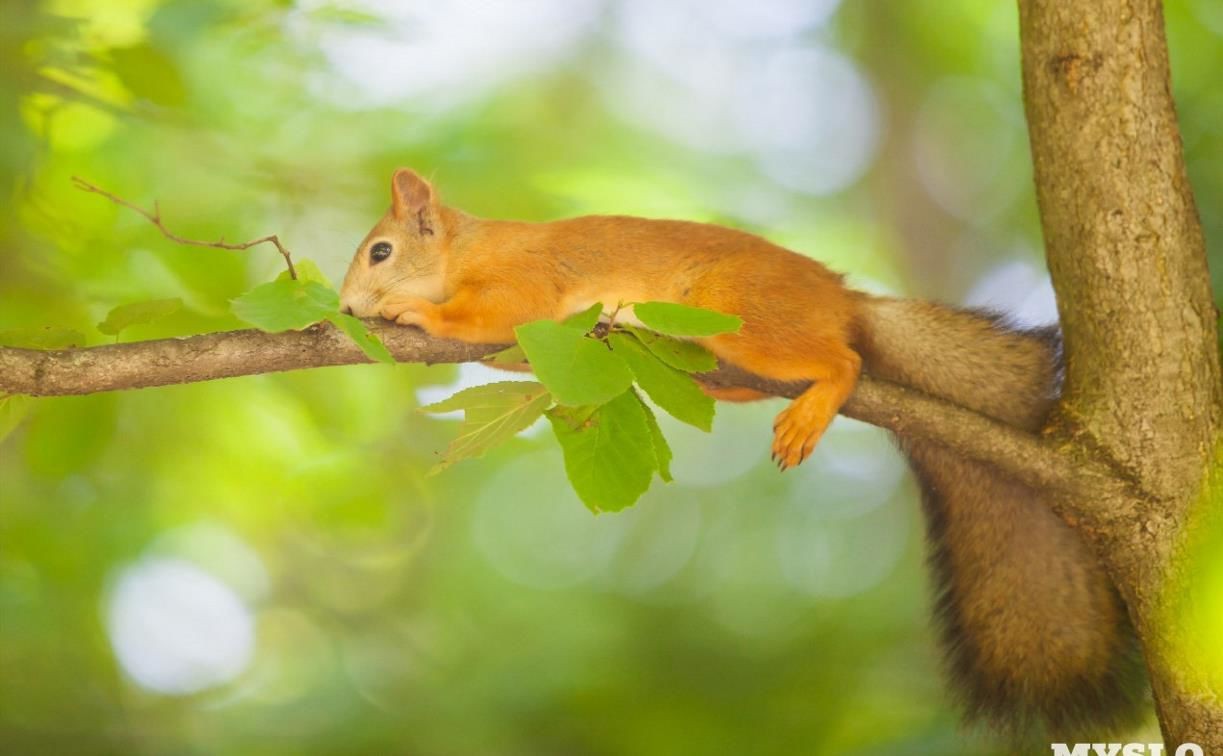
column 410, row 195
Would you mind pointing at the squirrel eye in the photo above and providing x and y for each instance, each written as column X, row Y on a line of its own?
column 379, row 252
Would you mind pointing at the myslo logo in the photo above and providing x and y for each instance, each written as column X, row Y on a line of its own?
column 1124, row 749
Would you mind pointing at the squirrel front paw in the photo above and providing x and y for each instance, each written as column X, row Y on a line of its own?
column 407, row 310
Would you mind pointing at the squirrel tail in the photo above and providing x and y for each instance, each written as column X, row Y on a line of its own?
column 1032, row 628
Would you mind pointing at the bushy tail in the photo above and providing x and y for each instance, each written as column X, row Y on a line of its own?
column 1033, row 630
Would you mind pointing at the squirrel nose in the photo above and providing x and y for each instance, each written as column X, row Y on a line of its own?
column 346, row 309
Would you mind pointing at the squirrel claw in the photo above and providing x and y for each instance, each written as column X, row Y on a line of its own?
column 796, row 432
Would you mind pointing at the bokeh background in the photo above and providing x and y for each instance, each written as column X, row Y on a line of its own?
column 262, row 566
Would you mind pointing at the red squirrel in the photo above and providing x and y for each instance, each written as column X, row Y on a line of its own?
column 1033, row 630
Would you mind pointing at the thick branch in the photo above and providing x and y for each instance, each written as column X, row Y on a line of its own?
column 1125, row 248
column 235, row 353
column 1128, row 261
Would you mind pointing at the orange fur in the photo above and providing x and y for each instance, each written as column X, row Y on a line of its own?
column 470, row 279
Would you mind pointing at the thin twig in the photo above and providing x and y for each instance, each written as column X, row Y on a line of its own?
column 154, row 217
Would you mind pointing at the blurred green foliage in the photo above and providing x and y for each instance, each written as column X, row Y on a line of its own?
column 482, row 610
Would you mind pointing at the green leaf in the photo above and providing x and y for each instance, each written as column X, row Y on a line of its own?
column 609, row 454
column 681, row 320
column 662, row 450
column 362, row 337
column 13, row 408
column 586, row 320
column 42, row 338
column 688, row 356
column 673, row 390
column 139, row 312
column 576, row 369
column 493, row 414
column 511, row 356
column 286, row 305
column 307, row 270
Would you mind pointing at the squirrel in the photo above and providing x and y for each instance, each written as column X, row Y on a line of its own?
column 1033, row 631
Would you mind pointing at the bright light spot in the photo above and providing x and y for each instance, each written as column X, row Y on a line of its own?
column 221, row 553
column 646, row 25
column 696, row 74
column 443, row 53
column 813, row 117
column 532, row 528
column 827, row 539
column 829, row 558
column 772, row 20
column 739, row 441
column 1019, row 290
column 965, row 144
column 660, row 535
column 855, row 469
column 175, row 628
column 738, row 573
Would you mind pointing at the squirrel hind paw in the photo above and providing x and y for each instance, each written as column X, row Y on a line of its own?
column 797, row 430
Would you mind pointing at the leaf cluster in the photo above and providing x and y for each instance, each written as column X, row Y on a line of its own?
column 590, row 385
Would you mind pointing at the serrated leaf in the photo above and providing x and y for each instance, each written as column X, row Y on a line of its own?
column 673, row 390
column 137, row 313
column 13, row 409
column 307, row 270
column 362, row 337
column 286, row 305
column 688, row 356
column 609, row 453
column 662, row 450
column 681, row 320
column 576, row 369
column 586, row 320
column 492, row 414
column 47, row 338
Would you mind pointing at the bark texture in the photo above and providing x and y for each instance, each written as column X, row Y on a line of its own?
column 213, row 356
column 1128, row 261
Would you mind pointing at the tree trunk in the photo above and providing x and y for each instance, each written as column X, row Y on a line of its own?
column 1128, row 261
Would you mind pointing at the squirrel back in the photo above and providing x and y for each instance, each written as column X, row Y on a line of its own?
column 1032, row 628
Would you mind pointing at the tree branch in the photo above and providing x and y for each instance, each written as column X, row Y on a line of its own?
column 1128, row 261
column 1125, row 249
column 235, row 353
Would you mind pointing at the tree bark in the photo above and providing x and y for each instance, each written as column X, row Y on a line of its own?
column 1128, row 262
column 214, row 356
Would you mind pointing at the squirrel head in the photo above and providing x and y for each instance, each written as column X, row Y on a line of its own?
column 403, row 255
